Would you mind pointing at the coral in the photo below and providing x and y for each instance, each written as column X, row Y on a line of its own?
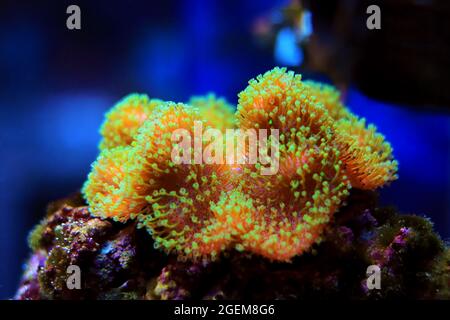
column 102, row 189
column 171, row 200
column 123, row 121
column 293, row 206
column 159, row 224
column 117, row 262
column 175, row 198
column 216, row 111
column 199, row 210
column 366, row 155
column 329, row 97
column 280, row 100
column 125, row 118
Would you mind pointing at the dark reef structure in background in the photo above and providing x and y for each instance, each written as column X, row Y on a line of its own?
column 379, row 62
column 117, row 262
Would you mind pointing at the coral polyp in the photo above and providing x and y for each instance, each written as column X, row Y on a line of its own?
column 280, row 100
column 125, row 118
column 329, row 97
column 197, row 209
column 102, row 189
column 293, row 207
column 170, row 199
column 367, row 156
column 215, row 110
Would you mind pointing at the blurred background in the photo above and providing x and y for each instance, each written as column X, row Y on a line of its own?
column 56, row 84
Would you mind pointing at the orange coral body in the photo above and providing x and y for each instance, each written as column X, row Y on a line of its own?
column 125, row 118
column 197, row 210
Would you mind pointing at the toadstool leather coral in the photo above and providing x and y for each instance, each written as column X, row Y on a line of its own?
column 125, row 118
column 196, row 211
column 153, row 227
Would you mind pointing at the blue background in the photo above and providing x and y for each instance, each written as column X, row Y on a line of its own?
column 55, row 86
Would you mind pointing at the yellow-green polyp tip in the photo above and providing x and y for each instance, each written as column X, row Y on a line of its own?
column 123, row 121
